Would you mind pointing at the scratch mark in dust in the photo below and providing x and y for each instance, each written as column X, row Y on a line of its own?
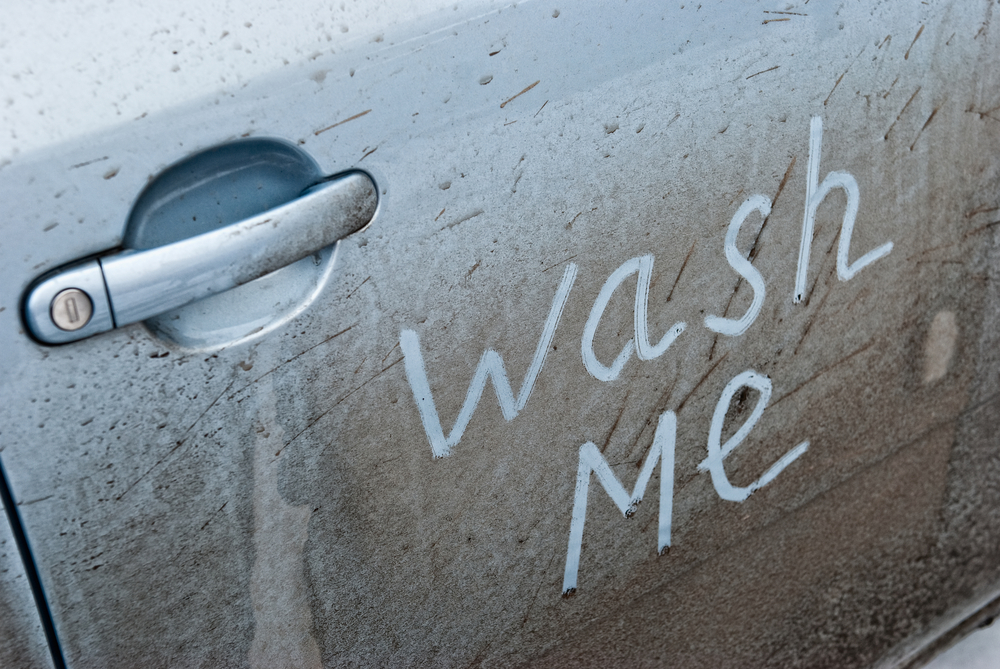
column 292, row 359
column 336, row 404
column 770, row 69
column 658, row 408
column 861, row 294
column 765, row 22
column 330, row 127
column 35, row 501
column 645, row 527
column 736, row 197
column 842, row 76
column 824, row 371
column 356, row 289
column 439, row 215
column 528, row 88
column 941, row 262
column 926, row 123
column 385, row 462
column 513, row 189
column 900, row 114
column 805, row 333
column 463, row 219
column 886, row 94
column 907, row 56
column 368, row 154
column 558, row 264
column 569, row 225
column 786, row 13
column 363, row 361
column 981, row 228
column 774, row 201
column 698, row 385
column 812, row 291
column 614, row 426
column 215, row 514
column 180, row 442
column 89, row 162
column 394, row 347
column 985, row 209
column 755, row 249
column 541, row 108
column 933, row 248
column 527, row 612
column 715, row 340
column 887, row 40
column 839, row 79
column 683, row 265
column 477, row 661
column 983, row 114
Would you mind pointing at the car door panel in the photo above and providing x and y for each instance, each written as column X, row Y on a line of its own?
column 397, row 473
column 22, row 640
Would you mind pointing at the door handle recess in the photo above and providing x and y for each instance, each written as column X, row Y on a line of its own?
column 97, row 295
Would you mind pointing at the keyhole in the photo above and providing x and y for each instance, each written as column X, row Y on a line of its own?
column 71, row 309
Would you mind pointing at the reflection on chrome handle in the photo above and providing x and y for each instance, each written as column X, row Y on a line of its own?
column 132, row 286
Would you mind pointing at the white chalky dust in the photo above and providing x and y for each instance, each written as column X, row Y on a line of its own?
column 283, row 620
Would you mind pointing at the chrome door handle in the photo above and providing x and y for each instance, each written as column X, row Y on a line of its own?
column 98, row 295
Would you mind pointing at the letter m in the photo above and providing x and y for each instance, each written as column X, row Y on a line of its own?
column 591, row 460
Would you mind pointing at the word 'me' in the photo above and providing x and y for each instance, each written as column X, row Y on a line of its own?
column 663, row 447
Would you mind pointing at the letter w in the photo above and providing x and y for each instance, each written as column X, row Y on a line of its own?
column 591, row 460
column 490, row 367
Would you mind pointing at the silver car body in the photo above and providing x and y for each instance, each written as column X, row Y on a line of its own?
column 734, row 260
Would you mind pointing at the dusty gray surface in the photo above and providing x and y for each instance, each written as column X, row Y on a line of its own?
column 22, row 642
column 277, row 500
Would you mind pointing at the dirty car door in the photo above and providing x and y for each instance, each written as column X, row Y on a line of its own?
column 735, row 260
